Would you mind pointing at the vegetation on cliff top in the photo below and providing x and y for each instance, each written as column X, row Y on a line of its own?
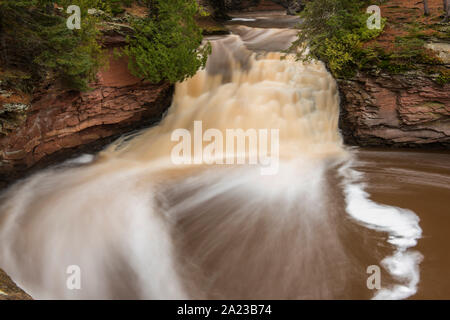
column 36, row 46
column 336, row 33
column 165, row 46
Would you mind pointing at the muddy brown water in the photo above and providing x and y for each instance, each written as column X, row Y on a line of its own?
column 419, row 181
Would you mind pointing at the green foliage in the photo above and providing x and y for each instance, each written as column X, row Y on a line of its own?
column 34, row 40
column 39, row 42
column 165, row 46
column 334, row 31
column 342, row 55
column 115, row 7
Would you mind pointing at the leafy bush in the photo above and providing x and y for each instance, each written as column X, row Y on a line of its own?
column 165, row 46
column 34, row 40
column 38, row 41
column 333, row 31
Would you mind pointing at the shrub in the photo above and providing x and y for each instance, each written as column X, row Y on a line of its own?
column 34, row 40
column 166, row 44
column 334, row 31
column 38, row 41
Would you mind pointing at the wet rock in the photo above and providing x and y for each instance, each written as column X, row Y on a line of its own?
column 9, row 290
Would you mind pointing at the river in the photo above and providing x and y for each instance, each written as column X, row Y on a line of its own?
column 310, row 218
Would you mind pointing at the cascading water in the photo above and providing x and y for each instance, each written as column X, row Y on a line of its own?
column 140, row 226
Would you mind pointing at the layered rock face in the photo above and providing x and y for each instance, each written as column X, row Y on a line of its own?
column 54, row 123
column 395, row 110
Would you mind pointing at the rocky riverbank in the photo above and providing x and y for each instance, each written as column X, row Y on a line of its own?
column 53, row 124
column 408, row 110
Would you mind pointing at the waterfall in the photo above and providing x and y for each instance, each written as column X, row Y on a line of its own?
column 140, row 225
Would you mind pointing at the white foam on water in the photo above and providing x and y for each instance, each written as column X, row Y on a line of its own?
column 82, row 159
column 243, row 19
column 402, row 226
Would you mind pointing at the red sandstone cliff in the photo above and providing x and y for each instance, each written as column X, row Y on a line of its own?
column 408, row 110
column 53, row 123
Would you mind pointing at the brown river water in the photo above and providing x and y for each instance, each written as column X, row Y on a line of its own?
column 418, row 181
column 305, row 222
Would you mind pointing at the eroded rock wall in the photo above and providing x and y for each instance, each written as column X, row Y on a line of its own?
column 56, row 122
column 409, row 110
